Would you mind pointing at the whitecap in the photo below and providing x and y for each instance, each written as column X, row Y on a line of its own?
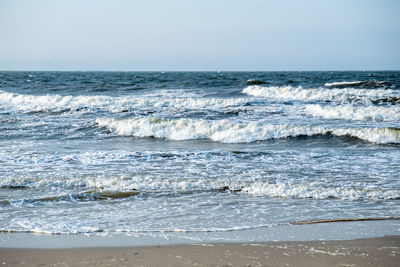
column 232, row 132
column 316, row 94
column 59, row 103
column 189, row 129
column 357, row 113
column 374, row 135
column 317, row 191
column 358, row 84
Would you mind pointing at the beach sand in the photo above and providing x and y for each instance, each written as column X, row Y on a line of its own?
column 384, row 251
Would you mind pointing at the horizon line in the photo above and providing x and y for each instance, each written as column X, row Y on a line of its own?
column 77, row 70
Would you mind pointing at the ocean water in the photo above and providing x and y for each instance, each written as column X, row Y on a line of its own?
column 127, row 153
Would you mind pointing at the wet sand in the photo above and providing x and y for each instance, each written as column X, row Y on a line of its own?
column 383, row 251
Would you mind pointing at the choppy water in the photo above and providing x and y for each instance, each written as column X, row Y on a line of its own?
column 138, row 152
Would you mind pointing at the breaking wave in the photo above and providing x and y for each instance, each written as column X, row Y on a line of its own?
column 54, row 103
column 58, row 103
column 317, row 191
column 188, row 129
column 358, row 113
column 317, row 94
column 359, row 84
column 229, row 132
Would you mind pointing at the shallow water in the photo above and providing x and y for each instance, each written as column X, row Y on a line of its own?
column 142, row 152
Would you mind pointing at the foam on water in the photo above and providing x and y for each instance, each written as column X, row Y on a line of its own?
column 318, row 191
column 52, row 103
column 168, row 100
column 373, row 135
column 100, row 188
column 219, row 130
column 90, row 153
column 313, row 94
column 342, row 83
column 350, row 112
column 92, row 195
column 58, row 103
column 230, row 132
column 359, row 84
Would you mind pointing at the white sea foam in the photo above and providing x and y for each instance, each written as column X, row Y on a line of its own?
column 350, row 112
column 366, row 84
column 313, row 94
column 154, row 186
column 230, row 132
column 187, row 129
column 53, row 103
column 57, row 103
column 317, row 191
column 342, row 83
column 373, row 135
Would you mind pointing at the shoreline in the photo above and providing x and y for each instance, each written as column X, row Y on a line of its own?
column 373, row 243
column 381, row 251
column 340, row 230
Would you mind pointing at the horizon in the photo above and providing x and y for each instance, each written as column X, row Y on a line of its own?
column 217, row 71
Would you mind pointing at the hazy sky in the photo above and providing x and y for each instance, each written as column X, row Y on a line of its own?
column 199, row 35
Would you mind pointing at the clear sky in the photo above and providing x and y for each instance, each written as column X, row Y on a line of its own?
column 199, row 35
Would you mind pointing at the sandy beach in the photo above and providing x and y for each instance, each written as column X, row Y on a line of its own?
column 199, row 133
column 384, row 251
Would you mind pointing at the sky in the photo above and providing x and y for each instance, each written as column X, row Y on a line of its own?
column 201, row 35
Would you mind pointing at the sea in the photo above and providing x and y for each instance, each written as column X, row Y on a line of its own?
column 196, row 153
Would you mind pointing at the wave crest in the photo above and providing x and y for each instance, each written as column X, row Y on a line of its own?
column 317, row 94
column 229, row 132
column 59, row 103
column 316, row 191
column 359, row 84
column 350, row 112
column 189, row 129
